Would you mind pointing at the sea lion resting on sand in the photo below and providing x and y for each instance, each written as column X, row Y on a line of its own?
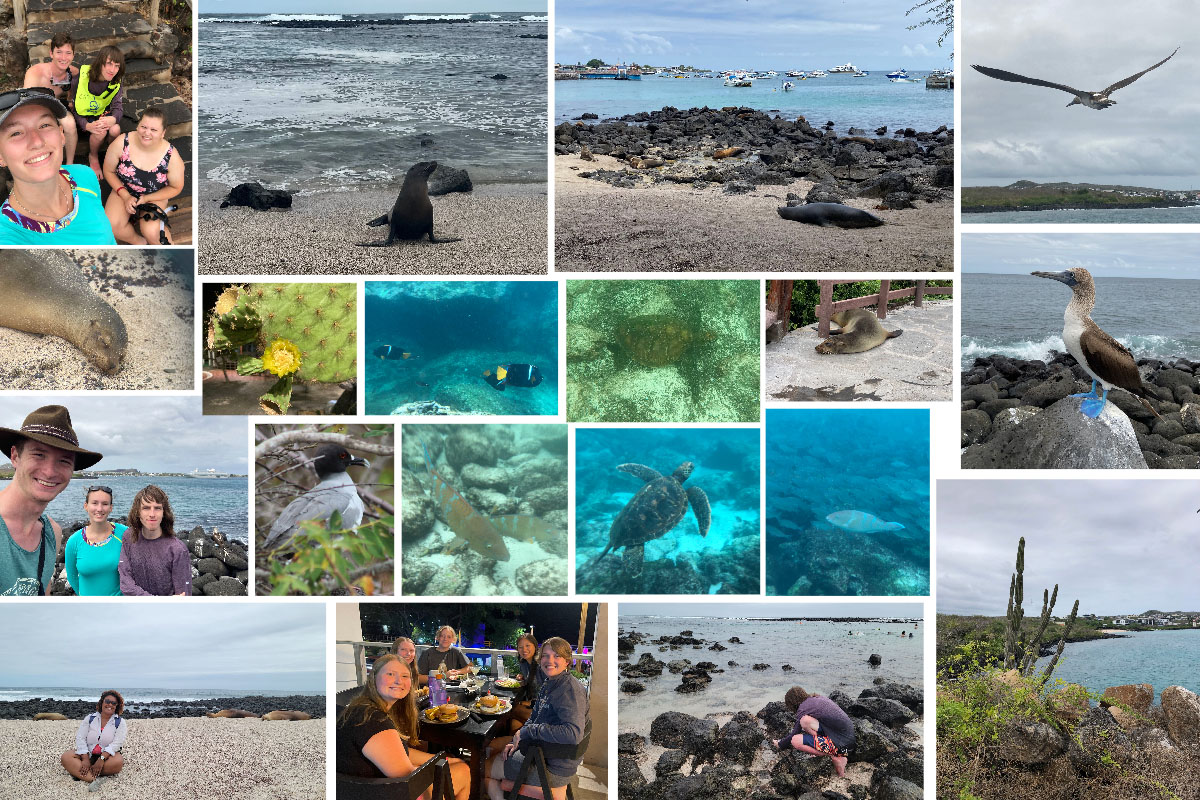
column 270, row 715
column 44, row 291
column 412, row 215
column 826, row 214
column 48, row 715
column 232, row 712
column 860, row 330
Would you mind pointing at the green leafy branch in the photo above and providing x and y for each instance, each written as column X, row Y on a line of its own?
column 331, row 558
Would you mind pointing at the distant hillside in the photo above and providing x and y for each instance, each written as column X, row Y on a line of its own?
column 1030, row 196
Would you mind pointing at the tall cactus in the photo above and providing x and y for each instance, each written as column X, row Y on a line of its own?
column 1020, row 653
column 1015, row 613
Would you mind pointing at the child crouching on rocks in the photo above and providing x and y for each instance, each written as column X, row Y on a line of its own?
column 822, row 728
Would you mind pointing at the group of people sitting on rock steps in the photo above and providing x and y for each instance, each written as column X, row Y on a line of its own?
column 52, row 200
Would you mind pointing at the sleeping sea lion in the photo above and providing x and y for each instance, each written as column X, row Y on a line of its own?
column 236, row 713
column 826, row 214
column 270, row 715
column 860, row 330
column 44, row 291
column 48, row 715
column 412, row 215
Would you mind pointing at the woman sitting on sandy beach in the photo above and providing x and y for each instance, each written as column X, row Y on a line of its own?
column 93, row 552
column 98, row 741
column 153, row 561
column 49, row 204
column 140, row 170
column 377, row 729
column 445, row 653
column 560, row 714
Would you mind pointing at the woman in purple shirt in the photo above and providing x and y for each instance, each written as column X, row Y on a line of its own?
column 153, row 561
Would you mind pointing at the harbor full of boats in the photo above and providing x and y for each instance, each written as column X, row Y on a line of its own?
column 744, row 79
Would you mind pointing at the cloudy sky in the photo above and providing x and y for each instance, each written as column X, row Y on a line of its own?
column 152, row 434
column 201, row 646
column 1108, row 255
column 1013, row 131
column 783, row 609
column 750, row 34
column 1118, row 546
column 368, row 6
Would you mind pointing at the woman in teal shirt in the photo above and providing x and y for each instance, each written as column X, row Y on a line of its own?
column 92, row 552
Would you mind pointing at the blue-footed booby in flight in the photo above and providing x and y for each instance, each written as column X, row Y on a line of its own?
column 1097, row 100
column 336, row 491
column 1102, row 357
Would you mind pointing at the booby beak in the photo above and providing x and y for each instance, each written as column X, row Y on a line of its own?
column 355, row 461
column 1065, row 277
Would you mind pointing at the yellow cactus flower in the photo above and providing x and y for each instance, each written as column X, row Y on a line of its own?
column 282, row 358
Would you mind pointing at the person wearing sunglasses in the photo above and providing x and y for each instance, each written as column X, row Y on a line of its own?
column 98, row 742
column 142, row 169
column 93, row 552
column 49, row 204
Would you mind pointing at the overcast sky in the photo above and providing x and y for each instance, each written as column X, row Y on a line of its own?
column 1106, row 255
column 1013, row 131
column 1118, row 546
column 784, row 609
column 152, row 434
column 368, row 6
column 750, row 34
column 191, row 645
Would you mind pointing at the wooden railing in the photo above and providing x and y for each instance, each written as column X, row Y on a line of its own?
column 827, row 307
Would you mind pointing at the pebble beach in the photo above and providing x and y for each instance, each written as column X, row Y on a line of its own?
column 186, row 759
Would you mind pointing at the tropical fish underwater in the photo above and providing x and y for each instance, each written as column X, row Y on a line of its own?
column 484, row 535
column 861, row 522
column 523, row 375
column 391, row 353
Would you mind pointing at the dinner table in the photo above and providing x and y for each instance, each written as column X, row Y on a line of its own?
column 473, row 732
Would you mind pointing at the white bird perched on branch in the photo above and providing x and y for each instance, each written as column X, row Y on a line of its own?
column 336, row 492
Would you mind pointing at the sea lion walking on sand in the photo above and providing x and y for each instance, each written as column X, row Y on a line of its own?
column 412, row 215
column 44, row 291
column 826, row 214
column 860, row 331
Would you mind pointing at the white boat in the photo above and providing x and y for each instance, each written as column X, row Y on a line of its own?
column 788, row 86
column 862, row 73
column 794, row 73
column 903, row 80
column 740, row 80
column 847, row 67
column 817, row 74
column 900, row 73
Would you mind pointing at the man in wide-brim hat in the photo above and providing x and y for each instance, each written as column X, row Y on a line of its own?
column 44, row 453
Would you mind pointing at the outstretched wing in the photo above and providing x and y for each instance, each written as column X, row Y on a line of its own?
column 1132, row 78
column 1013, row 77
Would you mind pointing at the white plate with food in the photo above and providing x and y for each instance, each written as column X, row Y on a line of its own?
column 491, row 704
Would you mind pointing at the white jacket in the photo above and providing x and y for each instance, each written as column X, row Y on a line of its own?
column 110, row 738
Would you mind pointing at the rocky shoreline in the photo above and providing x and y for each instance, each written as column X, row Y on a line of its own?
column 220, row 565
column 1018, row 415
column 313, row 705
column 741, row 148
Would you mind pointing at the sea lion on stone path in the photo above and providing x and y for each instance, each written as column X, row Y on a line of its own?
column 270, row 715
column 412, row 215
column 44, row 291
column 860, row 330
column 236, row 713
column 48, row 715
column 826, row 214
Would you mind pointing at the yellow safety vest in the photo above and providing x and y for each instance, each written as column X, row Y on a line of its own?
column 91, row 105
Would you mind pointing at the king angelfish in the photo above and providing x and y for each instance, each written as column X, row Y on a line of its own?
column 861, row 522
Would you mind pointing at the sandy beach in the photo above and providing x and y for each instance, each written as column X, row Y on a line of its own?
column 155, row 302
column 678, row 228
column 502, row 228
column 198, row 758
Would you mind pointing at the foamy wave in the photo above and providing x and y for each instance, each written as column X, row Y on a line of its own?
column 299, row 18
column 535, row 19
column 1023, row 350
column 436, row 16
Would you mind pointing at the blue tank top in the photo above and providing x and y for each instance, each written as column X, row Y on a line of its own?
column 18, row 566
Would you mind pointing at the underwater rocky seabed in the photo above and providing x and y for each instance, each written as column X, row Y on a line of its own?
column 680, row 561
column 702, row 339
column 456, row 331
column 499, row 469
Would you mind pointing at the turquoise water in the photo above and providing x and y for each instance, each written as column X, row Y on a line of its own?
column 822, row 462
column 1119, row 215
column 725, row 561
column 456, row 331
column 864, row 102
column 1159, row 658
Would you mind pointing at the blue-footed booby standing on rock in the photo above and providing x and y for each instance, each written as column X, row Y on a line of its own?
column 1102, row 357
column 335, row 492
column 1097, row 100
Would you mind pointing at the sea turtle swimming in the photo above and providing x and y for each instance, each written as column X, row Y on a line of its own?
column 655, row 509
column 656, row 340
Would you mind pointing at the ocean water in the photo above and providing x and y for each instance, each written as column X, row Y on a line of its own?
column 340, row 108
column 824, row 656
column 1118, row 215
column 821, row 462
column 1021, row 316
column 208, row 502
column 1159, row 658
column 862, row 102
column 135, row 696
column 725, row 561
column 456, row 331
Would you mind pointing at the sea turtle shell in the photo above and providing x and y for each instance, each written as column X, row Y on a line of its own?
column 656, row 340
column 656, row 508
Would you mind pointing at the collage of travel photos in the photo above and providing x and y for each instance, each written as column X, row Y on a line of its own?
column 557, row 400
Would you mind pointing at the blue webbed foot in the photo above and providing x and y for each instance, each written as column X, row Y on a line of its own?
column 1085, row 394
column 1092, row 393
column 1092, row 406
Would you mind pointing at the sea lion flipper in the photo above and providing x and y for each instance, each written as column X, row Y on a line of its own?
column 894, row 334
column 375, row 223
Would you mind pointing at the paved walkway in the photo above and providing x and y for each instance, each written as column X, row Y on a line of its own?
column 916, row 366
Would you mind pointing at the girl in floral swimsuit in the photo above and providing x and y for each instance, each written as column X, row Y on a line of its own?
column 132, row 185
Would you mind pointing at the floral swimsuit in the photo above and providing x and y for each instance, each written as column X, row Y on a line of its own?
column 141, row 181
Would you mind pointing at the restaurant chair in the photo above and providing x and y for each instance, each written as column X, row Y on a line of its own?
column 535, row 753
column 433, row 773
column 343, row 698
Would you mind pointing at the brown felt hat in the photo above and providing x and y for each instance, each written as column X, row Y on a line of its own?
column 49, row 425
